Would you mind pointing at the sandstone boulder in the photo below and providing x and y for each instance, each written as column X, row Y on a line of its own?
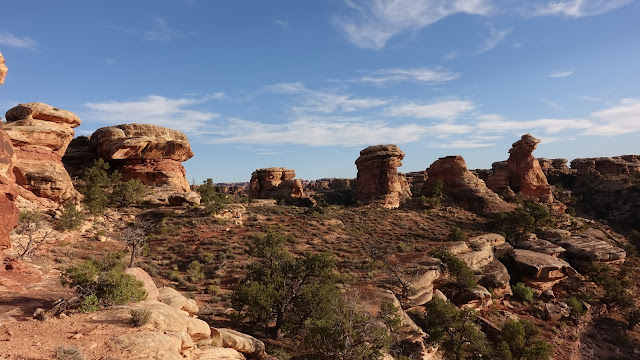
column 476, row 298
column 521, row 173
column 275, row 183
column 539, row 270
column 243, row 343
column 149, row 286
column 464, row 187
column 531, row 242
column 150, row 153
column 176, row 300
column 378, row 180
column 41, row 134
column 589, row 246
column 150, row 345
column 216, row 353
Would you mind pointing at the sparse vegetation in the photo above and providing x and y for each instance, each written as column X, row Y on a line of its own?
column 512, row 224
column 456, row 234
column 68, row 353
column 127, row 193
column 210, row 198
column 520, row 340
column 140, row 316
column 458, row 270
column 30, row 223
column 71, row 217
column 97, row 182
column 522, row 292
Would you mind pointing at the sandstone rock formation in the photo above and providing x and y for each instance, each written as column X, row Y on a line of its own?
column 589, row 246
column 521, row 173
column 3, row 69
column 531, row 242
column 40, row 135
column 464, row 187
column 150, row 153
column 275, row 183
column 378, row 180
column 538, row 270
column 554, row 166
column 617, row 165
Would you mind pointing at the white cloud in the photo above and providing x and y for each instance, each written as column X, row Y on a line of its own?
column 495, row 37
column 575, row 8
column 159, row 31
column 463, row 144
column 551, row 103
column 283, row 24
column 560, row 74
column 9, row 39
column 152, row 109
column 424, row 75
column 374, row 22
column 621, row 119
column 549, row 126
column 587, row 98
column 449, row 110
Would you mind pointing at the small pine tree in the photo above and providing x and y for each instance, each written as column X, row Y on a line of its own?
column 97, row 181
column 71, row 217
column 127, row 193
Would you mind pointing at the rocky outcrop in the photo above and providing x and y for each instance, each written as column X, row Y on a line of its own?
column 275, row 183
column 378, row 180
column 554, row 166
column 79, row 154
column 40, row 135
column 465, row 188
column 538, row 270
column 521, row 173
column 531, row 242
column 150, row 153
column 3, row 69
column 617, row 165
column 589, row 246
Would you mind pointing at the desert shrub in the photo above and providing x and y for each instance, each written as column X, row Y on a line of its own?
column 456, row 234
column 616, row 293
column 633, row 318
column 140, row 316
column 513, row 223
column 127, row 193
column 283, row 289
column 97, row 182
column 29, row 223
column 210, row 198
column 575, row 306
column 68, row 353
column 346, row 331
column 459, row 271
column 213, row 290
column 71, row 217
column 453, row 329
column 105, row 279
column 539, row 212
column 522, row 292
column 194, row 271
column 89, row 304
column 519, row 340
column 433, row 199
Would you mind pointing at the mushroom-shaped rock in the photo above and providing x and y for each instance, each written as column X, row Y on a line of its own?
column 464, row 187
column 525, row 175
column 275, row 183
column 141, row 141
column 378, row 180
column 40, row 134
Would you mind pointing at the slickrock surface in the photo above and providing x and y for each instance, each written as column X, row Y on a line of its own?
column 521, row 173
column 40, row 135
column 275, row 183
column 617, row 165
column 539, row 270
column 378, row 180
column 149, row 153
column 589, row 246
column 464, row 187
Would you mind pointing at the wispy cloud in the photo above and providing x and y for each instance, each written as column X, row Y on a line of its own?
column 550, row 103
column 462, row 144
column 574, row 8
column 423, row 75
column 448, row 110
column 560, row 74
column 275, row 152
column 153, row 109
column 373, row 22
column 587, row 98
column 495, row 38
column 549, row 126
column 9, row 39
column 112, row 61
column 283, row 24
column 159, row 31
column 620, row 119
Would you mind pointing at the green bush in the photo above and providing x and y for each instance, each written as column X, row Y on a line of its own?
column 575, row 306
column 522, row 292
column 194, row 271
column 71, row 217
column 459, row 271
column 140, row 316
column 97, row 185
column 456, row 234
column 127, row 193
column 210, row 198
column 633, row 318
column 213, row 290
column 105, row 279
column 519, row 340
column 513, row 223
column 89, row 304
column 454, row 330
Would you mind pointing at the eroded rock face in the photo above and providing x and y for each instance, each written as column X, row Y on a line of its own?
column 521, row 173
column 464, row 187
column 590, row 246
column 539, row 270
column 3, row 69
column 275, row 183
column 378, row 180
column 554, row 166
column 617, row 165
column 40, row 134
column 8, row 193
column 150, row 153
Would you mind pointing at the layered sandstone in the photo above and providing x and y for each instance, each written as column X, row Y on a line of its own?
column 464, row 187
column 554, row 166
column 275, row 183
column 617, row 165
column 150, row 153
column 40, row 134
column 3, row 69
column 522, row 172
column 378, row 180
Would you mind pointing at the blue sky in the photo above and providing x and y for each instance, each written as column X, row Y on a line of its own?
column 308, row 84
